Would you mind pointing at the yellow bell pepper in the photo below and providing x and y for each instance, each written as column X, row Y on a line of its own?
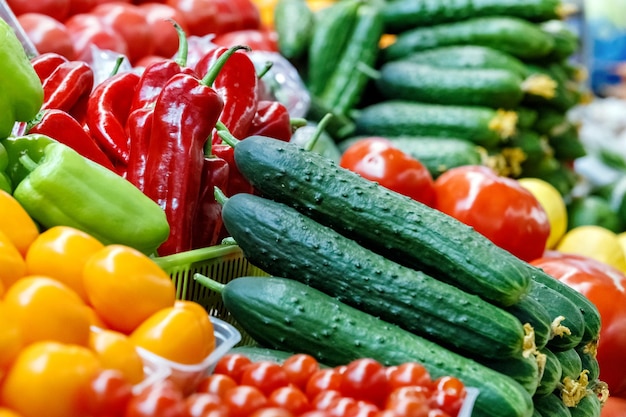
column 116, row 351
column 16, row 223
column 12, row 265
column 10, row 339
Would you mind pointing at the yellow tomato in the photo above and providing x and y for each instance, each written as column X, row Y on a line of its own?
column 595, row 242
column 180, row 333
column 125, row 287
column 61, row 253
column 554, row 205
column 46, row 379
column 12, row 265
column 46, row 309
column 622, row 240
column 116, row 351
column 5, row 412
column 16, row 223
column 10, row 338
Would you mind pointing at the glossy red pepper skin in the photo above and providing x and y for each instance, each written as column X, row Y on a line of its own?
column 185, row 114
column 138, row 129
column 237, row 183
column 67, row 84
column 272, row 119
column 45, row 64
column 152, row 81
column 237, row 84
column 208, row 224
column 62, row 127
column 107, row 111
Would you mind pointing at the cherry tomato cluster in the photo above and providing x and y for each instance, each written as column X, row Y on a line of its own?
column 299, row 387
column 138, row 29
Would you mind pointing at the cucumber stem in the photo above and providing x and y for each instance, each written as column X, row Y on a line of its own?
column 321, row 126
column 220, row 197
column 208, row 283
column 224, row 133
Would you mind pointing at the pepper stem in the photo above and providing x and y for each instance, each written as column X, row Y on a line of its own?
column 183, row 44
column 220, row 197
column 321, row 126
column 224, row 133
column 207, row 282
column 28, row 162
column 266, row 68
column 117, row 66
column 215, row 69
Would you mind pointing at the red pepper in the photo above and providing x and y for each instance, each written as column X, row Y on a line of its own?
column 107, row 110
column 67, row 84
column 45, row 64
column 237, row 183
column 237, row 85
column 138, row 128
column 272, row 120
column 185, row 114
column 208, row 224
column 62, row 127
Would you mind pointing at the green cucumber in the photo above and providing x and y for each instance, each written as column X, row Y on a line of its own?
column 589, row 360
column 589, row 406
column 566, row 42
column 284, row 242
column 533, row 146
column 258, row 353
column 551, row 405
column 555, row 172
column 566, row 142
column 515, row 36
column 489, row 87
column 527, row 117
column 529, row 311
column 552, row 374
column 482, row 126
column 294, row 23
column 525, row 370
column 570, row 363
column 536, row 413
column 393, row 225
column 401, row 15
column 566, row 93
column 285, row 314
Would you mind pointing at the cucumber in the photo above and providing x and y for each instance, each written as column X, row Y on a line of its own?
column 257, row 353
column 482, row 126
column 489, row 87
column 393, row 225
column 533, row 145
column 589, row 406
column 529, row 311
column 515, row 36
column 566, row 143
column 566, row 42
column 525, row 370
column 527, row 117
column 401, row 15
column 566, row 93
column 556, row 172
column 288, row 315
column 570, row 363
column 551, row 405
column 294, row 23
column 589, row 360
column 552, row 374
column 284, row 242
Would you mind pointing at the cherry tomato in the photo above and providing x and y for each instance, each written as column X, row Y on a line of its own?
column 130, row 22
column 243, row 400
column 290, row 398
column 56, row 9
column 257, row 40
column 365, row 379
column 265, row 375
column 164, row 35
column 232, row 365
column 205, row 17
column 299, row 368
column 408, row 406
column 162, row 398
column 87, row 30
column 605, row 287
column 322, row 380
column 376, row 159
column 448, row 395
column 320, row 413
column 47, row 34
column 497, row 207
column 343, row 407
column 271, row 412
column 364, row 409
column 407, row 374
column 106, row 394
column 324, row 399
column 200, row 404
column 216, row 384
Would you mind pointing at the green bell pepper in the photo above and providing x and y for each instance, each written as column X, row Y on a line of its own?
column 65, row 188
column 21, row 92
column 5, row 181
column 15, row 146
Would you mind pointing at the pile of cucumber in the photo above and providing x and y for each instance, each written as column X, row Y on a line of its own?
column 361, row 271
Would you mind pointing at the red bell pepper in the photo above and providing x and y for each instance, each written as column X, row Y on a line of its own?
column 107, row 111
column 138, row 129
column 67, row 84
column 45, row 64
column 208, row 224
column 62, row 127
column 272, row 120
column 237, row 84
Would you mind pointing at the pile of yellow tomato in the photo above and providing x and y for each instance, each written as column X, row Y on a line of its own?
column 71, row 307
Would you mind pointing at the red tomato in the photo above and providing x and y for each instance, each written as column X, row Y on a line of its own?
column 47, row 34
column 265, row 375
column 299, row 368
column 163, row 399
column 378, row 160
column 130, row 22
column 290, row 398
column 87, row 30
column 448, row 395
column 605, row 287
column 232, row 365
column 497, row 207
column 216, row 384
column 164, row 35
column 56, row 9
column 204, row 17
column 365, row 379
column 107, row 395
column 256, row 39
column 244, row 400
column 408, row 406
column 271, row 412
column 323, row 380
column 408, row 374
column 199, row 404
column 324, row 399
column 614, row 407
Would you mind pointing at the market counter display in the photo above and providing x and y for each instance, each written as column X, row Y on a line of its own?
column 300, row 208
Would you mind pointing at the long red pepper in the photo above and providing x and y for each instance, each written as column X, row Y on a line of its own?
column 185, row 114
column 46, row 63
column 62, row 127
column 272, row 120
column 67, row 83
column 138, row 129
column 237, row 84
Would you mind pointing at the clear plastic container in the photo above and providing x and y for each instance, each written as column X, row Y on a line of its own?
column 468, row 404
column 188, row 376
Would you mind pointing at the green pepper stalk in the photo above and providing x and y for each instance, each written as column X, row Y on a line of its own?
column 21, row 92
column 65, row 188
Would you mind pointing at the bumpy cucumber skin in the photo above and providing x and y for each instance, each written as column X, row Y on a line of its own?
column 589, row 362
column 530, row 311
column 401, row 15
column 257, row 353
column 588, row 406
column 284, row 242
column 517, row 37
column 524, row 370
column 403, row 117
column 552, row 374
column 488, row 87
column 288, row 315
column 551, row 405
column 570, row 363
column 399, row 228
